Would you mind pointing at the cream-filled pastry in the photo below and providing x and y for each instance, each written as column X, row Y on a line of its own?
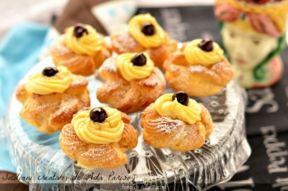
column 51, row 97
column 144, row 34
column 177, row 122
column 203, row 67
column 98, row 138
column 131, row 78
column 81, row 49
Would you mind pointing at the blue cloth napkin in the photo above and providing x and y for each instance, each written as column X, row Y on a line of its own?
column 19, row 51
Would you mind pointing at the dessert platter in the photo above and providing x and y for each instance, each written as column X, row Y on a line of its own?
column 137, row 111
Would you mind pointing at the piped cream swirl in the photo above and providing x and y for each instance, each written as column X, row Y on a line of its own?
column 135, row 26
column 131, row 72
column 195, row 55
column 109, row 131
column 190, row 114
column 43, row 85
column 88, row 44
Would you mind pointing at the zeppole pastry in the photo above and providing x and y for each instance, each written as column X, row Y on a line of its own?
column 98, row 138
column 81, row 49
column 199, row 68
column 145, row 34
column 177, row 122
column 130, row 82
column 50, row 98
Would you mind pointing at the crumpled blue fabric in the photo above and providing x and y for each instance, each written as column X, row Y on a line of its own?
column 19, row 51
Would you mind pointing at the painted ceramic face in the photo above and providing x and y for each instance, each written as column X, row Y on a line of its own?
column 246, row 48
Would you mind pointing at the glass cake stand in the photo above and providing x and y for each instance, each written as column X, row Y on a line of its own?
column 41, row 162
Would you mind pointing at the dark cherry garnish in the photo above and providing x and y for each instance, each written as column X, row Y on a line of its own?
column 49, row 71
column 79, row 31
column 148, row 29
column 181, row 97
column 206, row 45
column 139, row 59
column 98, row 114
column 260, row 1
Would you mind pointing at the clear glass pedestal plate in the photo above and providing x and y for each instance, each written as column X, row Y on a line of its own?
column 41, row 163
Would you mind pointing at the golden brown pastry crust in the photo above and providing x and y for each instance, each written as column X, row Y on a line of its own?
column 49, row 113
column 128, row 96
column 196, row 80
column 78, row 64
column 165, row 132
column 125, row 43
column 107, row 156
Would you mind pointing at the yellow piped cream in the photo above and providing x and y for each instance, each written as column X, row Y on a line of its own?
column 195, row 55
column 135, row 26
column 88, row 44
column 131, row 72
column 109, row 131
column 190, row 114
column 43, row 85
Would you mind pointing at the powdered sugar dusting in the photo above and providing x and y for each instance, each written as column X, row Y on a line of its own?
column 165, row 124
column 197, row 69
column 101, row 152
